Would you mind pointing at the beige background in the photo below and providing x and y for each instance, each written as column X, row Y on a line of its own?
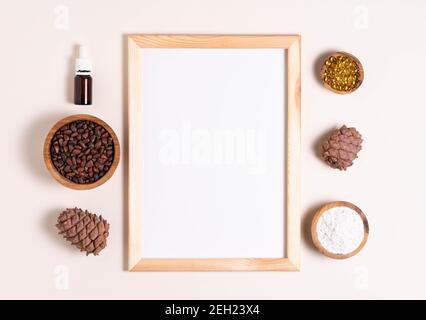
column 387, row 181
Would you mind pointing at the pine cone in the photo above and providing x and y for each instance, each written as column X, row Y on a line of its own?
column 85, row 230
column 342, row 148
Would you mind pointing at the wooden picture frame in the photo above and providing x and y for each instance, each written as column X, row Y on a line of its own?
column 291, row 260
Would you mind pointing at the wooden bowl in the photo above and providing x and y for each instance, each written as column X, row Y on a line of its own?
column 61, row 179
column 344, row 54
column 318, row 215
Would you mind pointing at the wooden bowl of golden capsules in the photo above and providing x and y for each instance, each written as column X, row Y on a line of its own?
column 342, row 73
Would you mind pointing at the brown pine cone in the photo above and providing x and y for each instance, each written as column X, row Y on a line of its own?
column 341, row 148
column 85, row 230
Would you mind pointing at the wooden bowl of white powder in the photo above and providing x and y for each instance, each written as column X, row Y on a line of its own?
column 339, row 230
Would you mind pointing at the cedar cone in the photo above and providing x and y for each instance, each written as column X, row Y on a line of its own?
column 85, row 230
column 341, row 148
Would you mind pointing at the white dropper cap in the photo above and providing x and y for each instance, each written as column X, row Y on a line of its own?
column 83, row 65
column 82, row 52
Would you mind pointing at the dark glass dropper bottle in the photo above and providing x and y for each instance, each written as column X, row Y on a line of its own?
column 83, row 78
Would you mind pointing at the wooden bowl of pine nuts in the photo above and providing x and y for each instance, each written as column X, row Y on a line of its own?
column 81, row 152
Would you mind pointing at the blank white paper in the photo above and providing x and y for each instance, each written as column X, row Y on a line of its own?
column 213, row 153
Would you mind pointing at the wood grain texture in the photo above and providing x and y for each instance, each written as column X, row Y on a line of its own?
column 291, row 257
column 314, row 233
column 293, row 154
column 215, row 265
column 214, row 41
column 345, row 54
column 48, row 160
column 134, row 158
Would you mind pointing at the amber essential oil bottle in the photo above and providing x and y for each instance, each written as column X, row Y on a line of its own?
column 83, row 78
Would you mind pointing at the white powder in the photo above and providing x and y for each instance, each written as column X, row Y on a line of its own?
column 340, row 230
